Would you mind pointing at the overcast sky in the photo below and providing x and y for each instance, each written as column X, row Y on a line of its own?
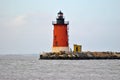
column 26, row 25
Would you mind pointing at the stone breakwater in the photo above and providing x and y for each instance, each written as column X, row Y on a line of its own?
column 81, row 55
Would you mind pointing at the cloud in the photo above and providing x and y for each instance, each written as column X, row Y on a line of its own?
column 30, row 33
column 18, row 21
column 13, row 21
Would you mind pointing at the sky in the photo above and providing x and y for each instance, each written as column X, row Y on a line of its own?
column 26, row 25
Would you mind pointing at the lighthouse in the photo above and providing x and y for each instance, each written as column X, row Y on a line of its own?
column 60, row 34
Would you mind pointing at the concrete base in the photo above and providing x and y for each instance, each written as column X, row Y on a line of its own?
column 58, row 49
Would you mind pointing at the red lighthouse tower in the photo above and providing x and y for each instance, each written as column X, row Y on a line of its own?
column 60, row 34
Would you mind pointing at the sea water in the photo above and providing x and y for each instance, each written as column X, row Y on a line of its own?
column 29, row 67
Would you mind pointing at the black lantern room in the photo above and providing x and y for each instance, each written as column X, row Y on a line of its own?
column 60, row 19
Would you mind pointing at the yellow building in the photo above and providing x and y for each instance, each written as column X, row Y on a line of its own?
column 77, row 48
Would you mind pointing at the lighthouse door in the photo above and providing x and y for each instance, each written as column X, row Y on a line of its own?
column 77, row 49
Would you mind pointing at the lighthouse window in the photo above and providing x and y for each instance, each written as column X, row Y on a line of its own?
column 56, row 43
column 54, row 37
